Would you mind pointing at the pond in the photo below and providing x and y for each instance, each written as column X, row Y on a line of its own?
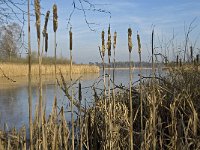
column 14, row 99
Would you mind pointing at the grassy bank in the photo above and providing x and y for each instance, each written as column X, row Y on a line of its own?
column 20, row 70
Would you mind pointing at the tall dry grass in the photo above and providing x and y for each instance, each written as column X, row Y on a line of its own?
column 20, row 70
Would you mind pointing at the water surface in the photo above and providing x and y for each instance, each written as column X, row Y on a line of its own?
column 14, row 100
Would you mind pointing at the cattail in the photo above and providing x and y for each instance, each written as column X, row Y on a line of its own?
column 109, row 42
column 55, row 18
column 191, row 53
column 103, row 43
column 139, row 44
column 180, row 62
column 197, row 58
column 37, row 14
column 46, row 22
column 130, row 87
column 115, row 40
column 70, row 39
column 130, row 45
column 177, row 58
column 46, row 42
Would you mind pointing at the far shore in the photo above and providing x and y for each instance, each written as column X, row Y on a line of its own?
column 19, row 70
column 15, row 75
column 144, row 68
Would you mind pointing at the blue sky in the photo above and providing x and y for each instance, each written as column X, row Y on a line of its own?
column 168, row 16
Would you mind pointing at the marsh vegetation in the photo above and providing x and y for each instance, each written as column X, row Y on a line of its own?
column 159, row 111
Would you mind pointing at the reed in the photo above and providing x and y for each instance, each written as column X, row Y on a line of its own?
column 38, row 24
column 71, row 108
column 55, row 27
column 29, row 80
column 20, row 70
column 109, row 92
column 140, row 70
column 130, row 45
column 153, row 98
column 114, row 46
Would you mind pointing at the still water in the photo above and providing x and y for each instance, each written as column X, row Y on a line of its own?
column 14, row 100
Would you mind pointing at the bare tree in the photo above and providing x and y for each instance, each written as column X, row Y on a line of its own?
column 9, row 40
column 86, row 6
column 11, row 10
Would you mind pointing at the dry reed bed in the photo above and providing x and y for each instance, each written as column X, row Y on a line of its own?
column 177, row 112
column 15, row 70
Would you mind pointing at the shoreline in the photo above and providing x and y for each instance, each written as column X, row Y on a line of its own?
column 137, row 68
column 20, row 70
column 46, row 79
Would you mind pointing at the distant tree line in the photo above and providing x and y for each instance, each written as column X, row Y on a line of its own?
column 125, row 64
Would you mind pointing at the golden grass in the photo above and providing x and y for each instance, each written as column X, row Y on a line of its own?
column 19, row 70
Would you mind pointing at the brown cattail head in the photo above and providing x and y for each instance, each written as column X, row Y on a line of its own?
column 70, row 39
column 180, row 62
column 46, row 22
column 139, row 44
column 115, row 40
column 177, row 58
column 55, row 18
column 109, row 42
column 46, row 42
column 37, row 14
column 103, row 43
column 197, row 58
column 130, row 45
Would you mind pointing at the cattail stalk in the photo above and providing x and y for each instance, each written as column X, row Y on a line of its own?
column 109, row 55
column 153, row 111
column 72, row 109
column 80, row 119
column 130, row 45
column 55, row 27
column 44, row 43
column 37, row 14
column 104, row 78
column 141, row 103
column 29, row 80
column 114, row 46
column 109, row 98
column 103, row 61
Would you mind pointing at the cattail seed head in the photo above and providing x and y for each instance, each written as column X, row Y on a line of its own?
column 37, row 14
column 177, row 58
column 46, row 42
column 115, row 40
column 197, row 58
column 139, row 44
column 55, row 18
column 46, row 22
column 103, row 43
column 109, row 42
column 130, row 45
column 70, row 39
